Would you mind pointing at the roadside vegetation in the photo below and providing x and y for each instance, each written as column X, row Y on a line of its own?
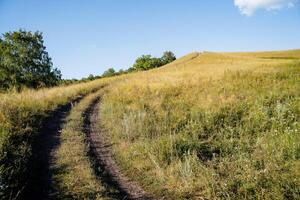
column 210, row 126
column 24, row 66
column 21, row 117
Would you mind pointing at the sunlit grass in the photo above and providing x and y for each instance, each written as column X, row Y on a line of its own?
column 21, row 117
column 211, row 125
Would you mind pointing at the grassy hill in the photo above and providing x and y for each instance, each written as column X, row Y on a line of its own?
column 210, row 126
column 206, row 126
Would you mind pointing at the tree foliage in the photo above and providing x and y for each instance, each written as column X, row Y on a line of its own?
column 146, row 62
column 109, row 72
column 168, row 57
column 24, row 61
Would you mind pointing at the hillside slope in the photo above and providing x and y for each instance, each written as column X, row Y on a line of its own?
column 210, row 126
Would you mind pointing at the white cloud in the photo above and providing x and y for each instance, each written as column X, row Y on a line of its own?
column 248, row 7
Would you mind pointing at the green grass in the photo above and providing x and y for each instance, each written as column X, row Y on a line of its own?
column 212, row 125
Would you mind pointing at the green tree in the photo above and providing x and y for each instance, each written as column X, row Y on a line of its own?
column 153, row 63
column 24, row 61
column 109, row 72
column 91, row 77
column 146, row 62
column 168, row 57
column 141, row 62
column 121, row 71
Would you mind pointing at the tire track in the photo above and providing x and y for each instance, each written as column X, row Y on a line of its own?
column 101, row 154
column 43, row 149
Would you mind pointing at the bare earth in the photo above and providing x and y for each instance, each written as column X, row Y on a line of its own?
column 100, row 152
column 39, row 184
column 105, row 166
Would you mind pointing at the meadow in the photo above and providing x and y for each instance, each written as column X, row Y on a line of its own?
column 210, row 126
column 206, row 126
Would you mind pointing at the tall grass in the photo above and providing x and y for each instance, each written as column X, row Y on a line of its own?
column 211, row 126
column 21, row 117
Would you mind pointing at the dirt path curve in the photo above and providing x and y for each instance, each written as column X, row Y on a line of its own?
column 39, row 185
column 104, row 164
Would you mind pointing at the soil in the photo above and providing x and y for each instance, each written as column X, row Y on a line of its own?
column 100, row 152
column 104, row 164
column 43, row 149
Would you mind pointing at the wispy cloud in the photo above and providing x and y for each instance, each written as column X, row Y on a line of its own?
column 248, row 7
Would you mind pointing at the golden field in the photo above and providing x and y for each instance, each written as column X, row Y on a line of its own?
column 206, row 126
column 210, row 126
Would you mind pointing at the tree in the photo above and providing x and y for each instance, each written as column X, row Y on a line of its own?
column 91, row 77
column 141, row 62
column 154, row 63
column 24, row 61
column 109, row 72
column 168, row 57
column 146, row 62
column 121, row 71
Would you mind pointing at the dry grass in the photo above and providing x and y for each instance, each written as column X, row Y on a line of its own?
column 21, row 117
column 211, row 125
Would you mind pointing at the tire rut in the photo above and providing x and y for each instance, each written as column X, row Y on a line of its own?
column 101, row 155
column 43, row 150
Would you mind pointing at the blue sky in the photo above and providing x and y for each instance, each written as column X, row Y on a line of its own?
column 88, row 36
